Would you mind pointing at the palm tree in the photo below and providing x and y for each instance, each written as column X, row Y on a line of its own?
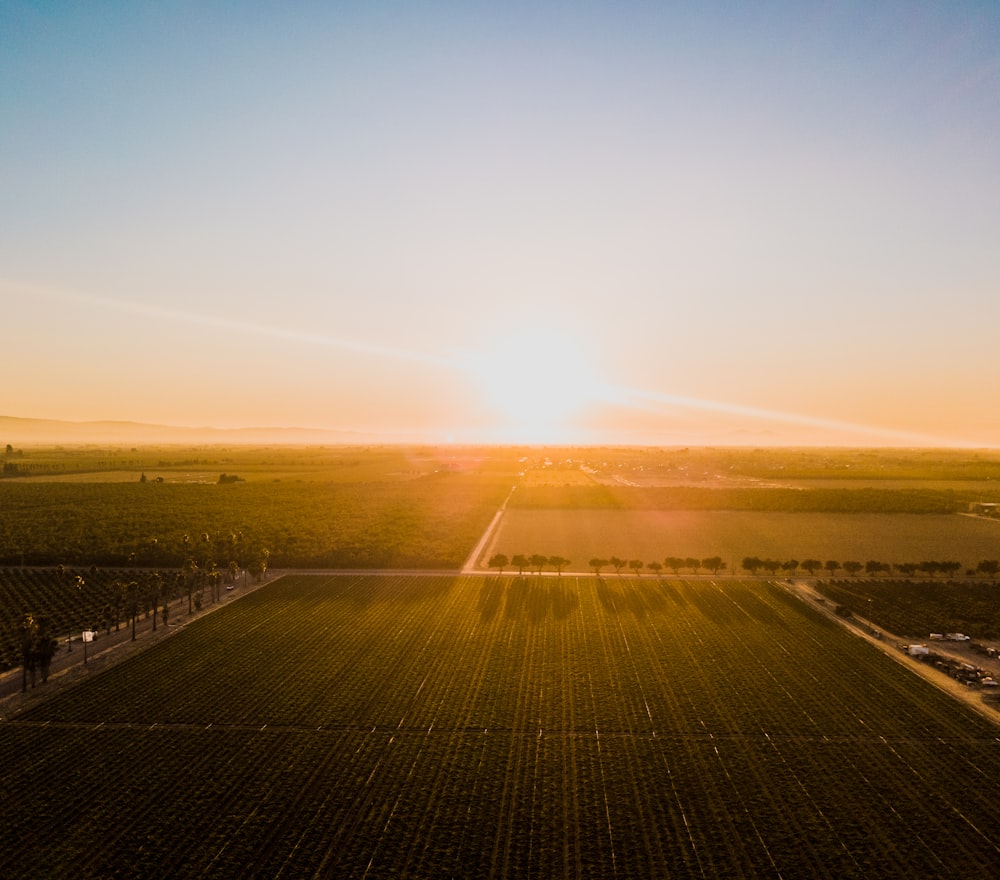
column 153, row 594
column 132, row 603
column 81, row 584
column 117, row 601
column 45, row 648
column 214, row 579
column 29, row 634
column 190, row 572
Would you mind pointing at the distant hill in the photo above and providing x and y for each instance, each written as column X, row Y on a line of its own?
column 50, row 432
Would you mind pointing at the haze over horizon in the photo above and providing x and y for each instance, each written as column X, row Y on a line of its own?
column 506, row 223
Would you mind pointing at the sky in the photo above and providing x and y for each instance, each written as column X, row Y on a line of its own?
column 585, row 222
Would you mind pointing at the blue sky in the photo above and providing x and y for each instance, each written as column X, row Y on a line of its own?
column 732, row 221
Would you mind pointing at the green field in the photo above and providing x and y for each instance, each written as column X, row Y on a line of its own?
column 500, row 727
column 368, row 514
column 649, row 535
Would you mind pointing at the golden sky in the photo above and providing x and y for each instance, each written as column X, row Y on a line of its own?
column 528, row 222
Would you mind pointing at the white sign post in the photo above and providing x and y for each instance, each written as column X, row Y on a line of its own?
column 88, row 636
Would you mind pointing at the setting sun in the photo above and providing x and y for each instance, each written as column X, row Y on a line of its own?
column 536, row 379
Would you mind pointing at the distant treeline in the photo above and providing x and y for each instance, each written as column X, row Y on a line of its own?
column 865, row 500
column 20, row 468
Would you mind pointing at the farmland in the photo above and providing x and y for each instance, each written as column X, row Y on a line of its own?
column 649, row 535
column 499, row 726
column 915, row 608
column 308, row 508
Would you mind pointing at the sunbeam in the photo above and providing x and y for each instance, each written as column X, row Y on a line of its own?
column 538, row 381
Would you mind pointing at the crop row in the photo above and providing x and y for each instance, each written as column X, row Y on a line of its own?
column 496, row 726
column 916, row 608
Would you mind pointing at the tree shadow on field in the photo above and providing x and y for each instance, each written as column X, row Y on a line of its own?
column 607, row 596
column 649, row 596
column 671, row 592
column 563, row 601
column 639, row 598
column 529, row 598
column 490, row 599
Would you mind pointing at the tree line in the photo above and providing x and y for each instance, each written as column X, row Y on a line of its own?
column 929, row 568
column 536, row 562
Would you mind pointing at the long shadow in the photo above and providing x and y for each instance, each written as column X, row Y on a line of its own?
column 609, row 598
column 490, row 599
column 645, row 597
column 563, row 601
column 516, row 603
column 530, row 598
column 671, row 592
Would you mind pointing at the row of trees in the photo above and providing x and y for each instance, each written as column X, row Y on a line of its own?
column 123, row 601
column 38, row 647
column 536, row 562
column 753, row 564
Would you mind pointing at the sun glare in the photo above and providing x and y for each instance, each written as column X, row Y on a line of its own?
column 536, row 379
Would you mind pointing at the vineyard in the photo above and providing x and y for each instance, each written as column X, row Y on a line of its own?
column 71, row 600
column 916, row 608
column 500, row 727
